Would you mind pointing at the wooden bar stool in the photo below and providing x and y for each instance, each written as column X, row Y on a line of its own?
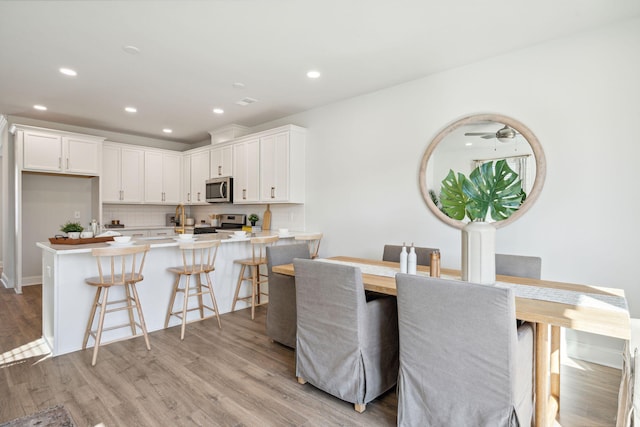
column 198, row 258
column 258, row 245
column 123, row 268
column 313, row 240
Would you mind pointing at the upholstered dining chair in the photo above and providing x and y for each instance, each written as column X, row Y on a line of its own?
column 345, row 345
column 281, row 310
column 463, row 361
column 392, row 253
column 519, row 266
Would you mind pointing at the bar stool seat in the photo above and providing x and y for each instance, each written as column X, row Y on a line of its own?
column 258, row 245
column 313, row 241
column 123, row 268
column 198, row 259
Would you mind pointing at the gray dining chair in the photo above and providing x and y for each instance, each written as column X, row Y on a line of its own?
column 463, row 361
column 519, row 266
column 281, row 310
column 346, row 346
column 392, row 253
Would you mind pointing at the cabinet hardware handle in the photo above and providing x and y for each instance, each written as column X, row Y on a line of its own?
column 163, row 196
column 59, row 162
column 121, row 194
column 244, row 193
column 198, row 196
column 188, row 197
column 219, row 170
column 273, row 192
column 67, row 163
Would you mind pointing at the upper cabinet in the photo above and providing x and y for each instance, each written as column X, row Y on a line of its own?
column 196, row 174
column 272, row 164
column 222, row 161
column 122, row 173
column 162, row 177
column 43, row 150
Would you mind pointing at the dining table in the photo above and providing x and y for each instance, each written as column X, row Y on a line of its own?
column 550, row 305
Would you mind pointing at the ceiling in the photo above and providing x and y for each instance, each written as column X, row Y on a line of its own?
column 192, row 52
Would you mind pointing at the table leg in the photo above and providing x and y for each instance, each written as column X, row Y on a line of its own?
column 555, row 364
column 546, row 407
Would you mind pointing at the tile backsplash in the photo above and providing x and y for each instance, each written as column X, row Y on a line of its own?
column 137, row 215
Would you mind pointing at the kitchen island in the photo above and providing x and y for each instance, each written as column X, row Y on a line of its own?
column 67, row 299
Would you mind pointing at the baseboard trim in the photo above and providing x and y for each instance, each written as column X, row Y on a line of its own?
column 31, row 280
column 607, row 356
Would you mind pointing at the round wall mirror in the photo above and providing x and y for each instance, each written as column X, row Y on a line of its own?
column 467, row 143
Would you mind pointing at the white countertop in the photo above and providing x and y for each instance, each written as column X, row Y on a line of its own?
column 159, row 242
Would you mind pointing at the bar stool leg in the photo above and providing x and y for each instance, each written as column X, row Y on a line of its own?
column 213, row 298
column 240, row 279
column 132, row 320
column 200, row 305
column 254, row 287
column 103, row 309
column 92, row 316
column 143, row 325
column 173, row 300
column 184, row 307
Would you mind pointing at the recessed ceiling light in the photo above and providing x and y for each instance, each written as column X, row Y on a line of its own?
column 131, row 109
column 468, row 144
column 68, row 72
column 218, row 110
column 40, row 107
column 238, row 85
column 167, row 130
column 133, row 50
column 313, row 74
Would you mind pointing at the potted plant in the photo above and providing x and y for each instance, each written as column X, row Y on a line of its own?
column 73, row 229
column 492, row 190
column 253, row 218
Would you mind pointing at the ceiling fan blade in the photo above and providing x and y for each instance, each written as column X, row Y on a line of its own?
column 478, row 133
column 489, row 136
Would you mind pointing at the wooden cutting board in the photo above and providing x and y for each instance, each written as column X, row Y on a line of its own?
column 266, row 219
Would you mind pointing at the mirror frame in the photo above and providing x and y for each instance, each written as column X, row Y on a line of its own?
column 541, row 165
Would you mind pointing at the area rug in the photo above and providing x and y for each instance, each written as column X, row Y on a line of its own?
column 58, row 416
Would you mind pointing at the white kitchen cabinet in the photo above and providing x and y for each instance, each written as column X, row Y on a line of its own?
column 59, row 152
column 122, row 174
column 246, row 167
column 274, row 167
column 161, row 177
column 222, row 161
column 198, row 175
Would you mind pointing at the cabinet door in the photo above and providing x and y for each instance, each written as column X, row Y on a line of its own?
column 80, row 156
column 42, row 152
column 110, row 179
column 153, row 181
column 199, row 175
column 222, row 162
column 171, row 178
column 132, row 175
column 247, row 167
column 274, row 168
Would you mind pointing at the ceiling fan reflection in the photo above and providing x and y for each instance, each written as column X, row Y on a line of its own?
column 505, row 134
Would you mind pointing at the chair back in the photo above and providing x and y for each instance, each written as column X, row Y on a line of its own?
column 281, row 311
column 313, row 241
column 457, row 353
column 258, row 245
column 392, row 253
column 120, row 265
column 199, row 257
column 519, row 266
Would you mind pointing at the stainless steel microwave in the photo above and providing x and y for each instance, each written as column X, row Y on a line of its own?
column 220, row 190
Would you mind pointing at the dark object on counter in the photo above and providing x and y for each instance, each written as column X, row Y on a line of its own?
column 114, row 225
column 61, row 240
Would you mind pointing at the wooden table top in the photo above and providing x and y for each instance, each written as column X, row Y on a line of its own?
column 599, row 319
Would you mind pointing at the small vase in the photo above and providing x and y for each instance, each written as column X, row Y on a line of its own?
column 479, row 253
column 73, row 234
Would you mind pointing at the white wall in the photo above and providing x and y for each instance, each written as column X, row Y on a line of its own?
column 579, row 95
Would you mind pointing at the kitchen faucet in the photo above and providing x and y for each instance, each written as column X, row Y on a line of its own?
column 181, row 218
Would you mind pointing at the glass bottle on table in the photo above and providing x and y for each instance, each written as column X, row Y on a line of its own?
column 412, row 261
column 403, row 259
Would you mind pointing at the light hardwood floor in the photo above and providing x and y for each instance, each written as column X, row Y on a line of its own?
column 233, row 376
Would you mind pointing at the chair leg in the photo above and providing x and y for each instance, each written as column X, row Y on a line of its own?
column 213, row 298
column 185, row 303
column 132, row 320
column 143, row 325
column 254, row 287
column 200, row 304
column 103, row 309
column 240, row 279
column 359, row 407
column 87, row 331
column 173, row 300
column 301, row 380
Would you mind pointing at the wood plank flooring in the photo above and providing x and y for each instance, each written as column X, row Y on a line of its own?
column 234, row 376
